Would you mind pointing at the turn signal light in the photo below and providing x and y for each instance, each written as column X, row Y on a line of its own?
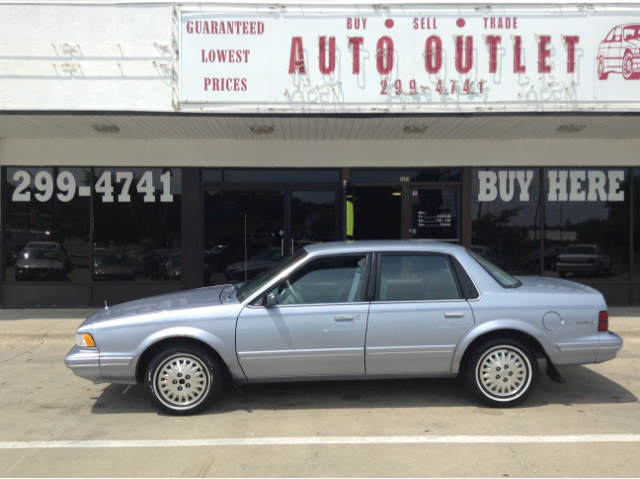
column 85, row 339
column 603, row 321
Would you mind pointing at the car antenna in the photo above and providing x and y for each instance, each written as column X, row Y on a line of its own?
column 106, row 307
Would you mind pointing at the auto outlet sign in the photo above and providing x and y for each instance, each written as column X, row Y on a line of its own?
column 419, row 58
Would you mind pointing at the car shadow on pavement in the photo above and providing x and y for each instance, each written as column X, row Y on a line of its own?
column 583, row 386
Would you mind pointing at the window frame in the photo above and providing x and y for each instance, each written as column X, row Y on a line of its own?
column 378, row 277
column 259, row 300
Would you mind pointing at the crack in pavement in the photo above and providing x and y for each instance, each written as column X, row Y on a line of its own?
column 506, row 443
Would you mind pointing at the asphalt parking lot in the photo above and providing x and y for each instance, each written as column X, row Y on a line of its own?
column 53, row 423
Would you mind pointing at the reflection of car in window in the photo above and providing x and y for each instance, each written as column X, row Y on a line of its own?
column 40, row 264
column 111, row 266
column 619, row 52
column 257, row 264
column 588, row 259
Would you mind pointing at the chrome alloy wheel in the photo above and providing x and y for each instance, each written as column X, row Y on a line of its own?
column 182, row 381
column 503, row 373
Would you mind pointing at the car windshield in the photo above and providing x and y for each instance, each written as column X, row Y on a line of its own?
column 111, row 260
column 581, row 250
column 502, row 277
column 39, row 254
column 251, row 286
column 631, row 33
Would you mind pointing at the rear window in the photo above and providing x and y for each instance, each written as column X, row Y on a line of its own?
column 503, row 278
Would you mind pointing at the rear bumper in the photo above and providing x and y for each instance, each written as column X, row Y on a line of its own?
column 609, row 347
column 602, row 348
column 85, row 363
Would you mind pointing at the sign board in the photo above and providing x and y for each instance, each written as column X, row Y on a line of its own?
column 409, row 59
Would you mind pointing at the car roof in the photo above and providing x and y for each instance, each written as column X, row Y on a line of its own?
column 44, row 243
column 382, row 245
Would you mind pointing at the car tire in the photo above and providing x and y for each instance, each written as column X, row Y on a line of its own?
column 501, row 373
column 183, row 380
column 627, row 67
column 602, row 75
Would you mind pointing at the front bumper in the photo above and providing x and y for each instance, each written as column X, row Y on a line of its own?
column 84, row 362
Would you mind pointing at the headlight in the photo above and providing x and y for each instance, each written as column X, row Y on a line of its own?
column 85, row 339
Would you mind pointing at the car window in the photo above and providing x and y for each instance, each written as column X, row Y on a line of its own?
column 617, row 35
column 39, row 254
column 610, row 36
column 417, row 278
column 503, row 278
column 326, row 280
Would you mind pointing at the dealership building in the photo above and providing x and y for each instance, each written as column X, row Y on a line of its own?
column 151, row 147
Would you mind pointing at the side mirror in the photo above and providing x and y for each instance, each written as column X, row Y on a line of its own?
column 271, row 300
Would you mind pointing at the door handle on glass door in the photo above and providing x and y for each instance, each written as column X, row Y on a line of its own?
column 453, row 315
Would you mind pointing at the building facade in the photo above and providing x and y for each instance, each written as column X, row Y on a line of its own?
column 152, row 147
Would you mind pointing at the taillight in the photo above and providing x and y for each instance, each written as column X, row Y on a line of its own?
column 603, row 321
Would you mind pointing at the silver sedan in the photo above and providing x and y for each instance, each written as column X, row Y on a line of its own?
column 384, row 309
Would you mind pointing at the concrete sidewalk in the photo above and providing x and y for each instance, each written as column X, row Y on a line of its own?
column 28, row 326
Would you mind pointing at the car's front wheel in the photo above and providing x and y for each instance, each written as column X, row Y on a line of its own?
column 501, row 372
column 627, row 67
column 183, row 380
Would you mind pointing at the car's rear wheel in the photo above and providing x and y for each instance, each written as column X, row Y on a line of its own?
column 183, row 380
column 601, row 73
column 501, row 372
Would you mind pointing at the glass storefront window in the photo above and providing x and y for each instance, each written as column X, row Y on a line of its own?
column 47, row 224
column 137, row 224
column 406, row 176
column 270, row 176
column 505, row 212
column 587, row 224
column 313, row 217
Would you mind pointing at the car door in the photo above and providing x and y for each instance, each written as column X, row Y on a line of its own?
column 316, row 325
column 418, row 316
column 615, row 49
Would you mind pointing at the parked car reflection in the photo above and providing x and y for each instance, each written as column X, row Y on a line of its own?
column 532, row 265
column 111, row 266
column 584, row 258
column 172, row 269
column 257, row 264
column 52, row 246
column 40, row 264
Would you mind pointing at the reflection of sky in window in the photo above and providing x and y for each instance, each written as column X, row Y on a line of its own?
column 558, row 213
column 316, row 197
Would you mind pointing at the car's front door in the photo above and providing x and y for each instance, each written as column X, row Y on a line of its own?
column 418, row 317
column 316, row 326
column 615, row 49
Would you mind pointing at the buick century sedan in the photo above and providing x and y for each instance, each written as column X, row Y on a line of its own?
column 360, row 310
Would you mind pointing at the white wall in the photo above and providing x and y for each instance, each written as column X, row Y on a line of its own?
column 86, row 57
column 353, row 153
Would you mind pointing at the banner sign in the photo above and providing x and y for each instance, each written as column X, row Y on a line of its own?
column 409, row 59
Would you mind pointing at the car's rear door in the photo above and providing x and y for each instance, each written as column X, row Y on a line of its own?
column 317, row 326
column 418, row 316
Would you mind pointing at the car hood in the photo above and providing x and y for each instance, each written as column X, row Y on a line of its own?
column 40, row 263
column 196, row 298
column 114, row 269
column 542, row 284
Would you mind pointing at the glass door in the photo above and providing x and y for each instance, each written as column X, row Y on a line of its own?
column 434, row 214
column 244, row 233
column 313, row 217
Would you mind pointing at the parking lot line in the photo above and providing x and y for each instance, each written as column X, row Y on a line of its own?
column 285, row 441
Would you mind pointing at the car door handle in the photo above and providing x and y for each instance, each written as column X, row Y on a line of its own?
column 343, row 318
column 453, row 315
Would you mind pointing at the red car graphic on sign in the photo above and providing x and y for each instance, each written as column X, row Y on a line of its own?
column 619, row 52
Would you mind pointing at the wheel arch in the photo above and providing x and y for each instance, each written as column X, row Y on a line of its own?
column 508, row 332
column 152, row 349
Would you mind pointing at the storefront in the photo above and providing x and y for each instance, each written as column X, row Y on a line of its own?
column 193, row 146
